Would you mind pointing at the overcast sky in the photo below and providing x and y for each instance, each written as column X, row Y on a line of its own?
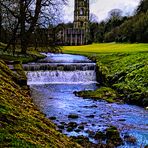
column 101, row 8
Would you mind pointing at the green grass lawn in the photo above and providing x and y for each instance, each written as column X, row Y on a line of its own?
column 123, row 67
column 107, row 48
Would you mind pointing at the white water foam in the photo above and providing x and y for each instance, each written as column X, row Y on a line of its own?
column 61, row 77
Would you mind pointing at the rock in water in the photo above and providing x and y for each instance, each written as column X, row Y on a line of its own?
column 113, row 136
column 73, row 116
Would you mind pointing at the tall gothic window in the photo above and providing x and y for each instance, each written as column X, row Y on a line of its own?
column 81, row 11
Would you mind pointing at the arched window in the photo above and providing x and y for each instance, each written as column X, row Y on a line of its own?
column 81, row 11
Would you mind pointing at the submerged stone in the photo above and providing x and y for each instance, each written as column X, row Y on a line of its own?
column 72, row 125
column 61, row 126
column 130, row 139
column 100, row 135
column 78, row 130
column 121, row 120
column 52, row 118
column 73, row 116
column 91, row 133
column 69, row 129
column 90, row 116
column 81, row 127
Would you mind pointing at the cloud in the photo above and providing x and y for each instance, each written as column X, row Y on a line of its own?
column 101, row 8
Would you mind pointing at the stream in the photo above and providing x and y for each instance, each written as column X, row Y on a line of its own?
column 54, row 80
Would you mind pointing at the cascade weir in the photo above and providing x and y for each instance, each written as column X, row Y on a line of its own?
column 60, row 67
column 64, row 72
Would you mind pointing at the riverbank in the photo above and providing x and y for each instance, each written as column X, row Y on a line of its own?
column 21, row 123
column 30, row 56
column 120, row 67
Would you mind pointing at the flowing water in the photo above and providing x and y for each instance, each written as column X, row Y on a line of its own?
column 53, row 82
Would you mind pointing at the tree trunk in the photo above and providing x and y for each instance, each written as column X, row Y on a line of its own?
column 25, row 35
column 13, row 38
column 22, row 26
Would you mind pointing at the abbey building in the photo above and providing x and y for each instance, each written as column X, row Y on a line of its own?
column 78, row 35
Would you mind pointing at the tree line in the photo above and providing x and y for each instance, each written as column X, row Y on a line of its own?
column 120, row 28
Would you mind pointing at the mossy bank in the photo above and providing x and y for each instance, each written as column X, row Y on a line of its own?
column 122, row 70
column 21, row 123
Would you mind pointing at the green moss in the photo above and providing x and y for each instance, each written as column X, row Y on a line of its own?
column 104, row 93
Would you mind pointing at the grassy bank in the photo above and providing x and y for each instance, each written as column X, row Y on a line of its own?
column 30, row 56
column 123, row 67
column 21, row 124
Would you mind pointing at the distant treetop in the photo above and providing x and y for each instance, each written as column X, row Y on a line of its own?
column 143, row 7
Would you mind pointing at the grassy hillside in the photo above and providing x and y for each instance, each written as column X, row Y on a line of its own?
column 21, row 124
column 123, row 67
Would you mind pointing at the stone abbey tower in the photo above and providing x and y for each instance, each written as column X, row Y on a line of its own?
column 81, row 14
column 79, row 34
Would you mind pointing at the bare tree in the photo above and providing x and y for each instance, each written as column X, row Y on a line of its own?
column 115, row 13
column 93, row 18
column 28, row 13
